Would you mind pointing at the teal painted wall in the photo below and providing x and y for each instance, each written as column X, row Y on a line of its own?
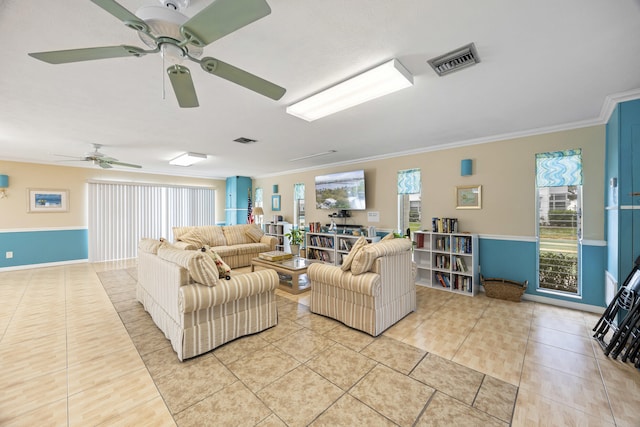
column 41, row 247
column 517, row 260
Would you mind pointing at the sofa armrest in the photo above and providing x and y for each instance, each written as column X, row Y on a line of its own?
column 270, row 241
column 194, row 297
column 366, row 283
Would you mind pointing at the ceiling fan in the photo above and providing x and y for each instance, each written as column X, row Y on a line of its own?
column 164, row 29
column 100, row 159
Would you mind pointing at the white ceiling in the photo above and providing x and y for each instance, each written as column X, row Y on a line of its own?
column 546, row 64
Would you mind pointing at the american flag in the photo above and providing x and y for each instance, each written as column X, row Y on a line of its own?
column 250, row 209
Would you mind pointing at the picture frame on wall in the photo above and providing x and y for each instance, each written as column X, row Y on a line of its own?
column 469, row 197
column 275, row 202
column 47, row 200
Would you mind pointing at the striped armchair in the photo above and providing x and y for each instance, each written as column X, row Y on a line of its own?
column 370, row 301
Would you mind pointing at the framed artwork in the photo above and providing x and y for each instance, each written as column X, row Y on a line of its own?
column 275, row 202
column 45, row 201
column 469, row 197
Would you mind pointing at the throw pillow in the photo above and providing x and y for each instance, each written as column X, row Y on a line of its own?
column 201, row 267
column 357, row 246
column 388, row 237
column 364, row 260
column 224, row 271
column 192, row 237
column 254, row 233
column 149, row 246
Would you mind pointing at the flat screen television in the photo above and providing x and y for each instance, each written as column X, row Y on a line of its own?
column 342, row 191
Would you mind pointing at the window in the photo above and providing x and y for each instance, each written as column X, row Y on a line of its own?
column 121, row 214
column 559, row 207
column 409, row 200
column 298, row 206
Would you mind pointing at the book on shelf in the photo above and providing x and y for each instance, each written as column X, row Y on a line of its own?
column 462, row 245
column 460, row 264
column 275, row 255
column 440, row 279
column 444, row 225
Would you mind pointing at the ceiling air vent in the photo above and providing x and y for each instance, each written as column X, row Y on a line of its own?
column 243, row 140
column 455, row 60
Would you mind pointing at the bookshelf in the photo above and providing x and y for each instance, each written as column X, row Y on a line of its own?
column 278, row 230
column 331, row 248
column 447, row 261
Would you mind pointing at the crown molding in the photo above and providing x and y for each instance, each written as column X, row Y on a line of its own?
column 608, row 106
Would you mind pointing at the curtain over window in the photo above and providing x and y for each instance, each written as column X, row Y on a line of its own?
column 259, row 197
column 559, row 168
column 409, row 181
column 298, row 191
column 120, row 214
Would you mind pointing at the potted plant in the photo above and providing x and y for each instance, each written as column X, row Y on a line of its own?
column 296, row 237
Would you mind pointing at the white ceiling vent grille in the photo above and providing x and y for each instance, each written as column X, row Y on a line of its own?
column 455, row 60
column 243, row 140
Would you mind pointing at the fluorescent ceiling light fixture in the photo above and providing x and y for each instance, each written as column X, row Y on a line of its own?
column 187, row 159
column 310, row 156
column 378, row 81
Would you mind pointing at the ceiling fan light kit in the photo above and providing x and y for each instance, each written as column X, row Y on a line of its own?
column 164, row 29
column 188, row 159
column 381, row 80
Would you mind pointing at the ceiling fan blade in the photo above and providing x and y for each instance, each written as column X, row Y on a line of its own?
column 104, row 165
column 129, row 165
column 87, row 54
column 182, row 83
column 120, row 12
column 69, row 157
column 242, row 78
column 223, row 17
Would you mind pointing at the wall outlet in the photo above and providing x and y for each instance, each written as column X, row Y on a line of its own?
column 9, row 254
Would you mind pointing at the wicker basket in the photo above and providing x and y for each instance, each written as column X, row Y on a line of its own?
column 504, row 289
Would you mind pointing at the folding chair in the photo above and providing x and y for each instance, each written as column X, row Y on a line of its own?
column 625, row 299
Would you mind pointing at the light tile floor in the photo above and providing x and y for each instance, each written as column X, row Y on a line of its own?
column 77, row 349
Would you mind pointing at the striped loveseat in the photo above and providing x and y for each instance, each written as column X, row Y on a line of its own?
column 198, row 317
column 374, row 293
column 236, row 244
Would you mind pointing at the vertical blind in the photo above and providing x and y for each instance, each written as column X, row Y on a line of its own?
column 120, row 214
column 559, row 168
column 409, row 181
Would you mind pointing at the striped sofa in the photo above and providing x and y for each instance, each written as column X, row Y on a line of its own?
column 380, row 292
column 197, row 318
column 236, row 244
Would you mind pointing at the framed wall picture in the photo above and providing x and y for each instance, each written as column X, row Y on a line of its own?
column 45, row 201
column 275, row 202
column 469, row 197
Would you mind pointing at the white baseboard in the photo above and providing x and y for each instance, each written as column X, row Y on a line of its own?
column 567, row 304
column 45, row 264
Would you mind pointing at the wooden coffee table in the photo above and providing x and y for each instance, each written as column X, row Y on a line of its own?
column 292, row 272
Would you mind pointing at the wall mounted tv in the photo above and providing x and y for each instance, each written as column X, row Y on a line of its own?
column 343, row 191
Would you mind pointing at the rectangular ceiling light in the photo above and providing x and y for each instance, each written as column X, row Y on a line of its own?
column 381, row 80
column 187, row 159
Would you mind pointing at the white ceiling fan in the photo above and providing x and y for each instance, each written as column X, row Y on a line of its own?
column 100, row 159
column 167, row 31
